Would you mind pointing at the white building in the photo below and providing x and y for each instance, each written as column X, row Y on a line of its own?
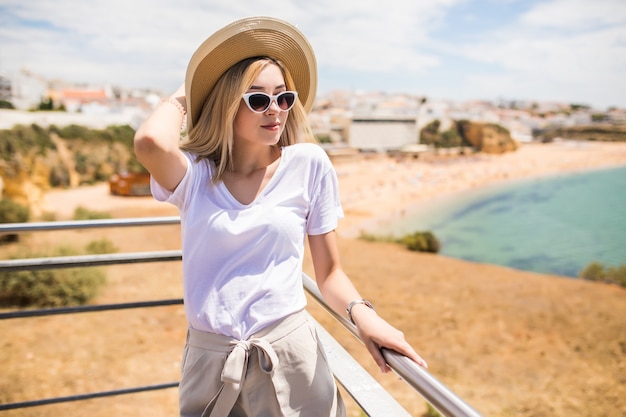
column 381, row 134
column 25, row 89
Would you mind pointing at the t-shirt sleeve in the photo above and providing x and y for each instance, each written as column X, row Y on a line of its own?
column 175, row 197
column 326, row 207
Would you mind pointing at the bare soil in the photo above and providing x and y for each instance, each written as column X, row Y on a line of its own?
column 510, row 343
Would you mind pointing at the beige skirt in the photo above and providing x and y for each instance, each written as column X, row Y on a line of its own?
column 280, row 371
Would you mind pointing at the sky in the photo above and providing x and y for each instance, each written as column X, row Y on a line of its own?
column 571, row 51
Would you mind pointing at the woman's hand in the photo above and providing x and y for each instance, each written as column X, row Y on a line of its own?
column 376, row 333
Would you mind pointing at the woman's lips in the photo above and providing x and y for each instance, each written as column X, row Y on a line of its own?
column 272, row 126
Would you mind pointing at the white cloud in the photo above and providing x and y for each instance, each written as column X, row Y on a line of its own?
column 572, row 48
column 369, row 38
column 576, row 14
column 541, row 55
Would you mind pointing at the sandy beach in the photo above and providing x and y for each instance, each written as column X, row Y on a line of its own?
column 377, row 188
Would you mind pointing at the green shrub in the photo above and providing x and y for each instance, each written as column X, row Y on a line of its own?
column 120, row 133
column 323, row 138
column 12, row 212
column 116, row 133
column 431, row 411
column 6, row 105
column 83, row 213
column 595, row 271
column 617, row 275
column 22, row 140
column 429, row 135
column 50, row 287
column 422, row 242
column 101, row 246
column 451, row 138
column 74, row 132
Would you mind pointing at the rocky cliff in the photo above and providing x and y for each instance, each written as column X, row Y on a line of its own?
column 487, row 137
column 484, row 137
column 34, row 159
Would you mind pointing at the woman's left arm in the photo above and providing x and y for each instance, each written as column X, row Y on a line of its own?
column 338, row 291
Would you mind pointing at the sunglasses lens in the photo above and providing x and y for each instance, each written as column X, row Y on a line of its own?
column 259, row 102
column 285, row 100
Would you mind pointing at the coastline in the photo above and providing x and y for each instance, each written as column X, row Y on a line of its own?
column 379, row 189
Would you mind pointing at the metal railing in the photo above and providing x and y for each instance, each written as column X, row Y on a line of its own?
column 436, row 393
column 373, row 399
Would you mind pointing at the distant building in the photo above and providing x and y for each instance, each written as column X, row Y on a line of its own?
column 5, row 89
column 382, row 134
column 617, row 116
column 24, row 89
column 75, row 99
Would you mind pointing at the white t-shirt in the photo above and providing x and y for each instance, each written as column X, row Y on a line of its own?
column 242, row 264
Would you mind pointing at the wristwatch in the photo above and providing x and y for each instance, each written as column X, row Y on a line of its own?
column 352, row 304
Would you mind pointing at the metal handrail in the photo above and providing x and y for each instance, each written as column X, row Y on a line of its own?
column 77, row 261
column 87, row 224
column 89, row 396
column 55, row 311
column 436, row 393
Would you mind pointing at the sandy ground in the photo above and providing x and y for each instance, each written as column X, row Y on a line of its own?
column 511, row 343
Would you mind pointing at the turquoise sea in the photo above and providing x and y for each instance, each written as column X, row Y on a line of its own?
column 555, row 225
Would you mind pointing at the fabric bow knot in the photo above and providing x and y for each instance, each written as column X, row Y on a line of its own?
column 236, row 363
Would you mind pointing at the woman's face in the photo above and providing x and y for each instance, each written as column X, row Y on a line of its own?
column 262, row 128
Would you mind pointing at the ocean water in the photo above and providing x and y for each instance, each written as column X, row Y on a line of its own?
column 555, row 225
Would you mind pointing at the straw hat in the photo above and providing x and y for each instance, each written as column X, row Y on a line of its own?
column 246, row 38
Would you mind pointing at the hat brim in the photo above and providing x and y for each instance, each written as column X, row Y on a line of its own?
column 247, row 38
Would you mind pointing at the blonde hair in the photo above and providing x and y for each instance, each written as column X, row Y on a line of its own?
column 212, row 135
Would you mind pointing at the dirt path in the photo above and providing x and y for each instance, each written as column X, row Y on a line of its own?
column 97, row 197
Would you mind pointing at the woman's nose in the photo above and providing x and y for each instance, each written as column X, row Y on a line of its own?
column 274, row 107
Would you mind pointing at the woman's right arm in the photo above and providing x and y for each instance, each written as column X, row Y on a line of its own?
column 157, row 142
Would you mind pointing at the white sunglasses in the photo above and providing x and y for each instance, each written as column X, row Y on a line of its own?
column 260, row 102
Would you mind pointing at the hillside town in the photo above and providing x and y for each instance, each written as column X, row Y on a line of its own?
column 364, row 121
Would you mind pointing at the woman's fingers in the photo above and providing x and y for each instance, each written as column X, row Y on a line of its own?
column 377, row 333
column 374, row 350
column 407, row 350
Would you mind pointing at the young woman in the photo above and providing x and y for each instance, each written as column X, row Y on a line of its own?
column 250, row 186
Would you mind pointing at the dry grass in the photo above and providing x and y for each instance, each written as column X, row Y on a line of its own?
column 510, row 343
